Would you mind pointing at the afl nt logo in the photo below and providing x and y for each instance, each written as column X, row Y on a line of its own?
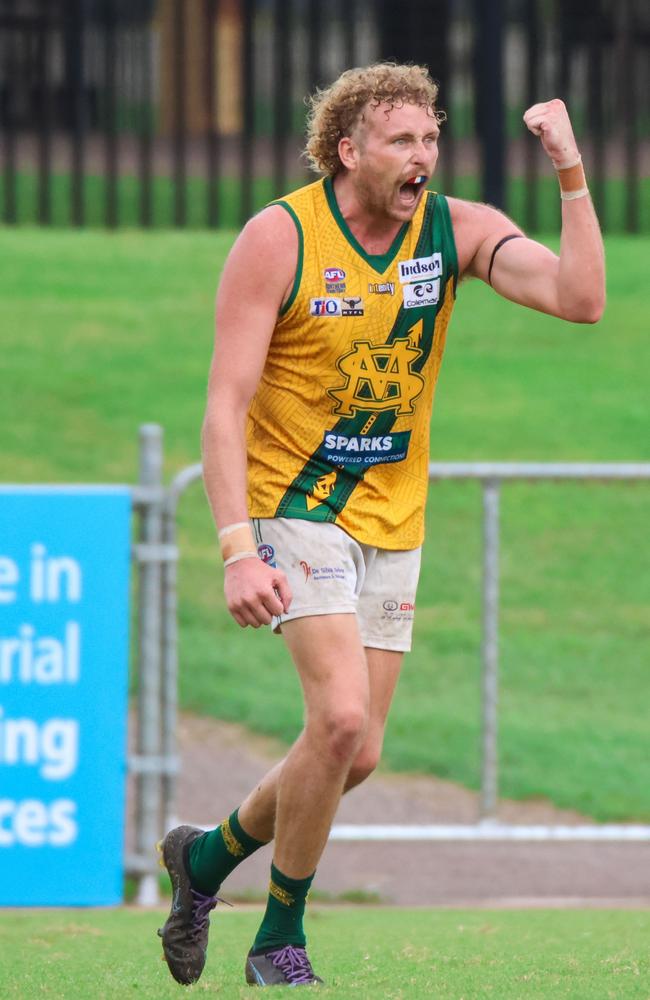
column 334, row 274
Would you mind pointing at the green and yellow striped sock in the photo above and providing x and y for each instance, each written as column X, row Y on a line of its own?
column 213, row 856
column 282, row 923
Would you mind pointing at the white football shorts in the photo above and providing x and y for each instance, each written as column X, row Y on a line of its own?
column 330, row 573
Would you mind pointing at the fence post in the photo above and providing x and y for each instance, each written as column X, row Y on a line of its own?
column 148, row 799
column 490, row 650
column 169, row 665
column 169, row 642
column 490, row 99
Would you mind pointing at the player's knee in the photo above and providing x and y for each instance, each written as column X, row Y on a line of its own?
column 363, row 765
column 343, row 730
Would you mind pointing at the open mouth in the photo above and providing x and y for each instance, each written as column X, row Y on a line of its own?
column 411, row 188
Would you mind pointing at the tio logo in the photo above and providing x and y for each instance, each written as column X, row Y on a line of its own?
column 325, row 307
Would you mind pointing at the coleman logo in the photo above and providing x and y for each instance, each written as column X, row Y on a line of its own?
column 422, row 293
column 378, row 378
column 420, row 268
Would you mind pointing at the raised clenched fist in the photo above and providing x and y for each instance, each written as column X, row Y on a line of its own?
column 551, row 122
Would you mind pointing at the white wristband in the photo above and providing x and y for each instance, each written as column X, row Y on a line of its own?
column 567, row 166
column 239, row 555
column 232, row 527
column 236, row 538
column 572, row 195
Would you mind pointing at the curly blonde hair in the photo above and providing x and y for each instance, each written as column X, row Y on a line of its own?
column 334, row 112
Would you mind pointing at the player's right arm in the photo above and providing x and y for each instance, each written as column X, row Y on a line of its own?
column 257, row 278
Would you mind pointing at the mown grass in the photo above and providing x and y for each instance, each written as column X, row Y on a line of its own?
column 612, row 200
column 390, row 953
column 102, row 332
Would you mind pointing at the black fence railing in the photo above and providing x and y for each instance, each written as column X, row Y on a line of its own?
column 191, row 112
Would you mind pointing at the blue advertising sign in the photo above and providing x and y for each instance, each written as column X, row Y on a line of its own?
column 64, row 585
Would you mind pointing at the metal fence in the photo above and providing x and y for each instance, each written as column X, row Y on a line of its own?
column 191, row 112
column 155, row 763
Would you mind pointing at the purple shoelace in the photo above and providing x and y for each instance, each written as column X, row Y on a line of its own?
column 293, row 962
column 201, row 907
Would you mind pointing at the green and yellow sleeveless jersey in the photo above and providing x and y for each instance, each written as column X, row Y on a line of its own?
column 338, row 429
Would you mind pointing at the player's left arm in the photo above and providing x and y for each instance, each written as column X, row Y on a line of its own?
column 571, row 285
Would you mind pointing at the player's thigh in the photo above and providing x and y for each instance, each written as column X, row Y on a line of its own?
column 331, row 663
column 384, row 667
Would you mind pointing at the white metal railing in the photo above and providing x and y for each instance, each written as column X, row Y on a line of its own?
column 156, row 762
column 491, row 475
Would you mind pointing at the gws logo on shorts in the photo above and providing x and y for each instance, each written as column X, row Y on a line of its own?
column 378, row 378
column 398, row 610
column 420, row 268
column 266, row 553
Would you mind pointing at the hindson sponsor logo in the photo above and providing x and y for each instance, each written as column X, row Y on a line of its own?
column 420, row 268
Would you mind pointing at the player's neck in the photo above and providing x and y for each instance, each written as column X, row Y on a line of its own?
column 375, row 232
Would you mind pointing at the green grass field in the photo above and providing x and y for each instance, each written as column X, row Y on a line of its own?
column 390, row 953
column 102, row 332
column 612, row 210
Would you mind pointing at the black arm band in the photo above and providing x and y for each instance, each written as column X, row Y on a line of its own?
column 512, row 236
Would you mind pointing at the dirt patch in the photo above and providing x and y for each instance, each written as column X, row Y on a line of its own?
column 221, row 762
